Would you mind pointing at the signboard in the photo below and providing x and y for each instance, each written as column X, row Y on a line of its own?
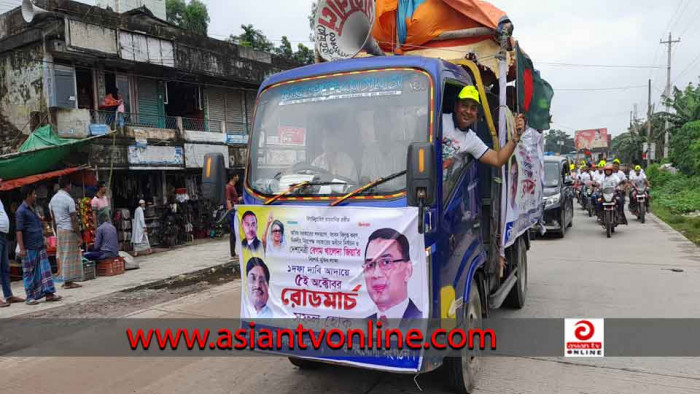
column 591, row 139
column 194, row 154
column 236, row 139
column 156, row 155
column 342, row 27
column 204, row 136
column 312, row 263
column 105, row 156
column 525, row 172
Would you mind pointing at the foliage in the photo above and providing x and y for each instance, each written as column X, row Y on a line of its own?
column 252, row 38
column 312, row 15
column 628, row 147
column 558, row 141
column 685, row 145
column 688, row 226
column 193, row 17
column 686, row 105
column 256, row 39
column 679, row 193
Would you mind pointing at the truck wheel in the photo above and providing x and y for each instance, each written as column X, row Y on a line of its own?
column 302, row 363
column 518, row 294
column 462, row 371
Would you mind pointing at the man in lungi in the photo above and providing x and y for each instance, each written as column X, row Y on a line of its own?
column 38, row 282
column 68, row 253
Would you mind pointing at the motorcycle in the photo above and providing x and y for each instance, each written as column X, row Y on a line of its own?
column 640, row 195
column 610, row 219
column 586, row 198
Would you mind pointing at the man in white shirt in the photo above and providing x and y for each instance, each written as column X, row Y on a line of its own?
column 8, row 298
column 638, row 180
column 458, row 139
column 612, row 178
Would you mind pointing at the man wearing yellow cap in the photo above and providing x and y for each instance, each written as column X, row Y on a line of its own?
column 458, row 139
column 637, row 179
column 616, row 169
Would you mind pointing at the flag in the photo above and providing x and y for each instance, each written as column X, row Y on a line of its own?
column 534, row 93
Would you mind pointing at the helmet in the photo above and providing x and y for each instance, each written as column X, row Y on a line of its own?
column 469, row 93
column 572, row 167
column 608, row 167
column 637, row 168
column 616, row 161
column 602, row 163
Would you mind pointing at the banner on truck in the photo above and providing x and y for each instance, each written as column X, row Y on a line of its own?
column 324, row 263
column 591, row 139
column 525, row 175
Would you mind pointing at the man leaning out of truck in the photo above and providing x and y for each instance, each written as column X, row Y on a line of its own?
column 458, row 139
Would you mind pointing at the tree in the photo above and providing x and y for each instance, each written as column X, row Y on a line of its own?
column 686, row 104
column 628, row 147
column 285, row 49
column 252, row 38
column 193, row 17
column 558, row 141
column 304, row 55
column 175, row 11
column 685, row 144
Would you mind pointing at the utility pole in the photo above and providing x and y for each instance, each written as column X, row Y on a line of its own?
column 667, row 92
column 648, row 152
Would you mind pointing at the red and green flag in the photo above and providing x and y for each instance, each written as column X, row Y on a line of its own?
column 534, row 93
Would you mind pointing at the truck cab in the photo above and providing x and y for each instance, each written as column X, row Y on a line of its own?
column 339, row 126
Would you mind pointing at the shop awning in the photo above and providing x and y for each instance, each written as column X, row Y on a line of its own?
column 19, row 182
column 42, row 150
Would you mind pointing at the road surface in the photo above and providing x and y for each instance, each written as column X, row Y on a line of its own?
column 583, row 275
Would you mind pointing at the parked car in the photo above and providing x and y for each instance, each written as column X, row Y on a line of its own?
column 558, row 195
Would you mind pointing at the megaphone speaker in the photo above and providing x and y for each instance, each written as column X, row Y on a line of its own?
column 344, row 28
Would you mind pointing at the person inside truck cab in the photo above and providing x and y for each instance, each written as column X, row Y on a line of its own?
column 334, row 159
column 458, row 139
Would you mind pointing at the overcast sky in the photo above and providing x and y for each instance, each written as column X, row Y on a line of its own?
column 593, row 32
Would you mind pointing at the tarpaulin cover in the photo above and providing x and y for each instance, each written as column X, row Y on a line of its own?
column 42, row 150
column 415, row 23
column 19, row 182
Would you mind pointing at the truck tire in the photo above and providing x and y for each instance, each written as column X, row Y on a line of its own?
column 518, row 294
column 302, row 363
column 462, row 370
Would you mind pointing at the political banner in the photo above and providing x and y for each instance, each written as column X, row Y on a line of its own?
column 591, row 139
column 321, row 263
column 525, row 175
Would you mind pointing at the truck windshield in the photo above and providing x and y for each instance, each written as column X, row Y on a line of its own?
column 551, row 174
column 346, row 129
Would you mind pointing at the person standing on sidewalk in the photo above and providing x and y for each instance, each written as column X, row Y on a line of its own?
column 38, row 282
column 100, row 202
column 68, row 253
column 139, row 231
column 5, row 261
column 232, row 199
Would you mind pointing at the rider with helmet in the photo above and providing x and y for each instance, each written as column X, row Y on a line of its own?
column 637, row 179
column 610, row 176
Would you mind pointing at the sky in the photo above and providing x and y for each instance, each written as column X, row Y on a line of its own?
column 576, row 33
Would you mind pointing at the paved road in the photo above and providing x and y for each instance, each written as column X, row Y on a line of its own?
column 584, row 274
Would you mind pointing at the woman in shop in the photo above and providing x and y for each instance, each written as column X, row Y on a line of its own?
column 139, row 231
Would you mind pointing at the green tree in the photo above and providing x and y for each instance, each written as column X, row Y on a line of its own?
column 628, row 147
column 193, row 17
column 285, row 49
column 175, row 11
column 252, row 38
column 685, row 144
column 558, row 141
column 685, row 104
column 304, row 54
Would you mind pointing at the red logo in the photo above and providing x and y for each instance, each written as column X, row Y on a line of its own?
column 584, row 330
column 363, row 224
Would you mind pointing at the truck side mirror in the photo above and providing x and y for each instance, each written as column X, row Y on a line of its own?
column 420, row 177
column 214, row 178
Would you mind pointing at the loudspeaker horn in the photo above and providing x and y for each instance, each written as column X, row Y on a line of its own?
column 344, row 28
column 31, row 12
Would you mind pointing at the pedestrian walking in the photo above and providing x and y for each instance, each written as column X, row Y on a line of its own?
column 139, row 235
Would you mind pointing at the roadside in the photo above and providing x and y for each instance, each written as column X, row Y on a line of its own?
column 160, row 277
column 688, row 224
column 676, row 201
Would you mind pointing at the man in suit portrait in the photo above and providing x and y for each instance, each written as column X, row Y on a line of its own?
column 387, row 270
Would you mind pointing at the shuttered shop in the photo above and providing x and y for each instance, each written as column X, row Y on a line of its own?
column 150, row 104
column 250, row 108
column 235, row 121
column 216, row 107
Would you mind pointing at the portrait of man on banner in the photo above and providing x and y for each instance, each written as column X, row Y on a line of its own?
column 387, row 271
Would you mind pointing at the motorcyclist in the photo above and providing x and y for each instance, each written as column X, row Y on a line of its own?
column 610, row 176
column 637, row 179
column 623, row 186
column 597, row 179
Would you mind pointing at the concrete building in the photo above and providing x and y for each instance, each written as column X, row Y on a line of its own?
column 184, row 95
